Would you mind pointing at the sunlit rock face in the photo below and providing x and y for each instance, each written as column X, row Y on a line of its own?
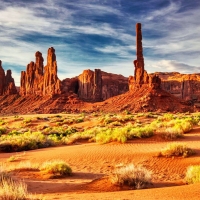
column 40, row 80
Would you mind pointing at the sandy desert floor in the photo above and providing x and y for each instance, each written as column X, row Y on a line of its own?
column 92, row 164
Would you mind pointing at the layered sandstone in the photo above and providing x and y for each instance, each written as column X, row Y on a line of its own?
column 37, row 80
column 7, row 83
column 183, row 86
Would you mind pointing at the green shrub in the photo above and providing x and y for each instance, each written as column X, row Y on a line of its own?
column 193, row 174
column 176, row 149
column 135, row 176
column 23, row 142
column 56, row 168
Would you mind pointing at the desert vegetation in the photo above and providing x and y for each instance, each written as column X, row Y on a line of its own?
column 19, row 134
column 63, row 129
column 137, row 177
column 193, row 174
column 176, row 149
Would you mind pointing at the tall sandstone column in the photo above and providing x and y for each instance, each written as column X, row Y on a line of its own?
column 52, row 85
column 141, row 76
column 32, row 78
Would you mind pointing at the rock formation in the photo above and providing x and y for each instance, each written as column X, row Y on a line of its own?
column 140, row 75
column 52, row 85
column 183, row 86
column 37, row 80
column 90, row 85
column 2, row 79
column 98, row 85
column 7, row 83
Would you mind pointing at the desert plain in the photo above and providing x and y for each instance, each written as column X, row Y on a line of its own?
column 94, row 160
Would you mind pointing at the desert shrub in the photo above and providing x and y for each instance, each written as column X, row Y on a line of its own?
column 140, row 132
column 176, row 149
column 172, row 133
column 104, row 136
column 14, row 132
column 23, row 142
column 59, row 131
column 136, row 176
column 79, row 120
column 27, row 121
column 2, row 122
column 123, row 134
column 193, row 174
column 2, row 130
column 56, row 168
column 168, row 116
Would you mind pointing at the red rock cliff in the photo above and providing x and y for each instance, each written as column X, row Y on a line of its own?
column 98, row 85
column 183, row 86
column 7, row 83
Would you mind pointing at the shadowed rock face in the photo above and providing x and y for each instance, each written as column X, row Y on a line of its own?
column 140, row 75
column 38, row 80
column 7, row 84
column 98, row 85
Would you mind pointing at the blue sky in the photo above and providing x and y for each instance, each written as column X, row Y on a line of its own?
column 89, row 34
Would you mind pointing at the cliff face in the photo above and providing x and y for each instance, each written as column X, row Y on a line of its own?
column 7, row 83
column 37, row 80
column 183, row 86
column 98, row 85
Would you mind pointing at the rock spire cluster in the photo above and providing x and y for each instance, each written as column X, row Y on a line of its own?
column 40, row 80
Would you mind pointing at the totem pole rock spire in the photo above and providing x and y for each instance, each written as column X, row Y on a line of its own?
column 140, row 73
column 141, row 77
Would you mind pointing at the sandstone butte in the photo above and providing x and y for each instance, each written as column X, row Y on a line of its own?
column 41, row 91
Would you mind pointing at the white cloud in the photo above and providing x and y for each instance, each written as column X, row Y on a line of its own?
column 171, row 66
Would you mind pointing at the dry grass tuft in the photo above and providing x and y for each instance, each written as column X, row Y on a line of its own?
column 136, row 176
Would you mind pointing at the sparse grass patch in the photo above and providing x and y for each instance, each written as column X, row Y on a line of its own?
column 193, row 174
column 56, row 168
column 176, row 149
column 11, row 189
column 137, row 177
